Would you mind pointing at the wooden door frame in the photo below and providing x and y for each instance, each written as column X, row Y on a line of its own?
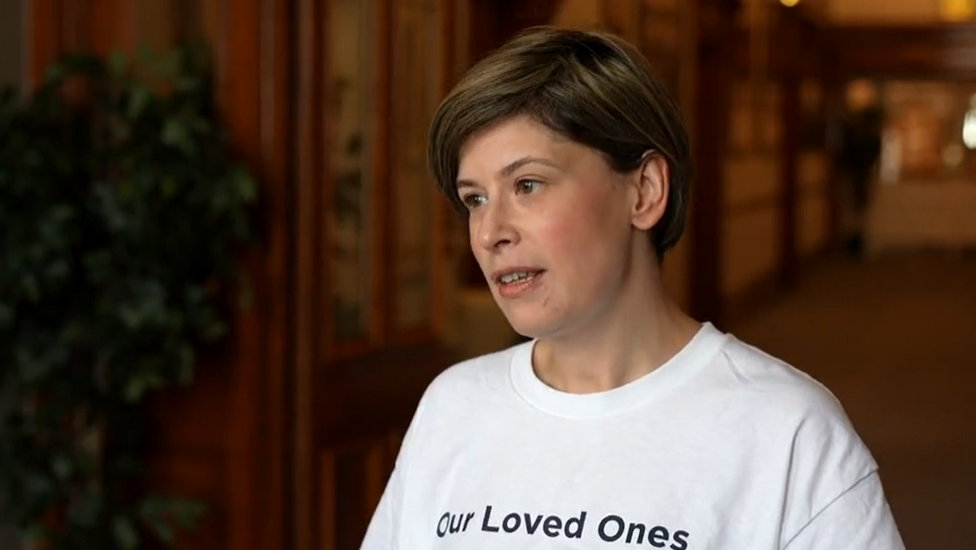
column 800, row 54
column 715, row 73
column 348, row 398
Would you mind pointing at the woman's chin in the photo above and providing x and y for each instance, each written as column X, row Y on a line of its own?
column 529, row 326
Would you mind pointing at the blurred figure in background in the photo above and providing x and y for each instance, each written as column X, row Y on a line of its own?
column 858, row 158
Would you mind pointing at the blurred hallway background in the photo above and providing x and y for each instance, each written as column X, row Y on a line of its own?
column 832, row 225
column 893, row 340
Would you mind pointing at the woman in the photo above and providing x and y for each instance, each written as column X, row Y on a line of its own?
column 622, row 421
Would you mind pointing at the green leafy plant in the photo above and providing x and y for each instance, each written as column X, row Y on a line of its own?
column 122, row 212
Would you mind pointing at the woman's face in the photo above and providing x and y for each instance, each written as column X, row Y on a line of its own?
column 550, row 225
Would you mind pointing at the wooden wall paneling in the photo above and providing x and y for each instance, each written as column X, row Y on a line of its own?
column 367, row 406
column 623, row 18
column 688, row 60
column 906, row 51
column 517, row 15
column 458, row 31
column 740, row 55
column 402, row 107
column 834, row 85
column 375, row 477
column 360, row 392
column 76, row 25
column 419, row 58
column 484, row 29
column 327, row 518
column 820, row 69
column 241, row 395
column 75, row 28
column 198, row 476
column 715, row 75
column 187, row 456
column 350, row 479
column 313, row 323
column 275, row 443
column 357, row 475
column 382, row 207
column 112, row 25
column 375, row 394
column 239, row 106
column 440, row 239
column 376, row 63
column 238, row 100
column 789, row 42
column 44, row 36
column 816, row 58
column 359, row 478
column 55, row 27
column 252, row 98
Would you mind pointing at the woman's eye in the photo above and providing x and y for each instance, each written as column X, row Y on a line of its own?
column 526, row 186
column 473, row 200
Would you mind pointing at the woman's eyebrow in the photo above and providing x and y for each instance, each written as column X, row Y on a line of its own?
column 510, row 168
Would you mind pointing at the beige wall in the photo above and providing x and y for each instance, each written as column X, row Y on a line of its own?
column 752, row 216
column 812, row 203
column 922, row 215
column 750, row 225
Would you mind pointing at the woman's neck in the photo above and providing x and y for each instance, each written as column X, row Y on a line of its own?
column 637, row 334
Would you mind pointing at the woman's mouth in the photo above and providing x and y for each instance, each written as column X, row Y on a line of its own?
column 515, row 283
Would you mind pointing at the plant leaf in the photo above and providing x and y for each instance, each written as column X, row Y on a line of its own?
column 117, row 63
column 62, row 466
column 139, row 98
column 86, row 511
column 125, row 533
column 176, row 134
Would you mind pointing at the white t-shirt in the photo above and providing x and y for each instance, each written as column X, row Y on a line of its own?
column 722, row 447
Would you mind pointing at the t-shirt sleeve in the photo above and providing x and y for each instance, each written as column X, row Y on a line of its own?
column 834, row 498
column 858, row 519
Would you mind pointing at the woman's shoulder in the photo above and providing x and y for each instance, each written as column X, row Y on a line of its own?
column 470, row 378
column 761, row 377
column 774, row 397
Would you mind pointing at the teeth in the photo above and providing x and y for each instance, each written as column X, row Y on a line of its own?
column 516, row 277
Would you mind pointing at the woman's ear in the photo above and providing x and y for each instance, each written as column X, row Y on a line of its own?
column 652, row 183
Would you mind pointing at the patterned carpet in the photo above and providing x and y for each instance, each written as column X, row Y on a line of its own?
column 895, row 339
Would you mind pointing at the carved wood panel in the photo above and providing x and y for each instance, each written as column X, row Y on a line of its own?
column 354, row 477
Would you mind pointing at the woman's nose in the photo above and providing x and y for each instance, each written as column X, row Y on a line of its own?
column 495, row 229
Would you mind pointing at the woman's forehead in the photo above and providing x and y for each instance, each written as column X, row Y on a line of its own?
column 512, row 144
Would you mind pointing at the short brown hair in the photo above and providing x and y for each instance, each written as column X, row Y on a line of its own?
column 590, row 87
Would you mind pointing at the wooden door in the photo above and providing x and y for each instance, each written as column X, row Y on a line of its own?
column 369, row 249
